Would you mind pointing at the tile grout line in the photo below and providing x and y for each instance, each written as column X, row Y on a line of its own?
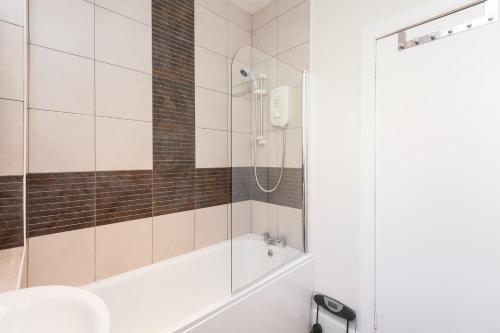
column 87, row 58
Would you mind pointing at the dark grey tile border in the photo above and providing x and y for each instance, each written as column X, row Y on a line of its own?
column 11, row 212
column 58, row 202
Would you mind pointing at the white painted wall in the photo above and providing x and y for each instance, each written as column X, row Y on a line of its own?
column 334, row 165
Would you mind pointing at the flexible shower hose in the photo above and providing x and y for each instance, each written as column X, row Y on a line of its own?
column 283, row 155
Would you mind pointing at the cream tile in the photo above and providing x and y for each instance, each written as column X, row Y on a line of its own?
column 217, row 6
column 11, row 61
column 240, row 218
column 10, row 261
column 66, row 258
column 173, row 235
column 123, row 144
column 122, row 41
column 241, row 149
column 210, row 70
column 295, row 107
column 211, row 109
column 11, row 137
column 12, row 11
column 264, row 15
column 63, row 25
column 266, row 37
column 238, row 41
column 210, row 225
column 288, row 75
column 284, row 5
column 123, row 93
column 240, row 115
column 60, row 142
column 124, row 246
column 264, row 218
column 297, row 57
column 293, row 27
column 211, row 148
column 210, row 30
column 293, row 148
column 239, row 17
column 61, row 82
column 139, row 10
column 290, row 226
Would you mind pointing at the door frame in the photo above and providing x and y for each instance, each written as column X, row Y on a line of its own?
column 366, row 261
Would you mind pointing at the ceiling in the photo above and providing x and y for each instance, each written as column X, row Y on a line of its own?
column 251, row 6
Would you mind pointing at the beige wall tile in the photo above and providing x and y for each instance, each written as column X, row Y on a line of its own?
column 210, row 225
column 210, row 70
column 66, row 258
column 290, row 226
column 288, row 75
column 264, row 15
column 11, row 61
column 293, row 148
column 12, row 11
column 295, row 116
column 11, row 137
column 239, row 17
column 123, row 93
column 240, row 115
column 124, row 246
column 293, row 27
column 284, row 5
column 173, row 235
column 139, row 10
column 123, row 144
column 61, row 82
column 297, row 57
column 60, row 142
column 239, row 41
column 264, row 218
column 217, row 6
column 210, row 30
column 265, row 38
column 241, row 149
column 10, row 261
column 211, row 148
column 211, row 109
column 240, row 218
column 122, row 41
column 63, row 25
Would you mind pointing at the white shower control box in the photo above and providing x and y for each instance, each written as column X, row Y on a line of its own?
column 279, row 105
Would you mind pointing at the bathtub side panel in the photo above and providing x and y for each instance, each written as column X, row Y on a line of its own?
column 282, row 306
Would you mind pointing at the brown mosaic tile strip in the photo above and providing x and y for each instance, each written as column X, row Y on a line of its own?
column 289, row 193
column 11, row 212
column 123, row 196
column 173, row 190
column 212, row 187
column 173, row 40
column 58, row 202
column 173, row 106
column 240, row 185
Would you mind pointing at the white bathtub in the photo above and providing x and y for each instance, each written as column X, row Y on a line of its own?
column 187, row 292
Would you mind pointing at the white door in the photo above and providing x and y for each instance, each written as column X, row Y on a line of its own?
column 438, row 184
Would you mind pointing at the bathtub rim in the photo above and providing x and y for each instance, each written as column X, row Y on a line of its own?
column 238, row 296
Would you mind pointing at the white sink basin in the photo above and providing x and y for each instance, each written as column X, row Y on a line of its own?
column 53, row 309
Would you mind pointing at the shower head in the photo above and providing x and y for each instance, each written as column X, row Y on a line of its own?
column 246, row 72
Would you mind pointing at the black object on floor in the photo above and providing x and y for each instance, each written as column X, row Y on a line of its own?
column 334, row 307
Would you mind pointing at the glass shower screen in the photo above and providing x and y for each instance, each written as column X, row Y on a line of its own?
column 267, row 224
